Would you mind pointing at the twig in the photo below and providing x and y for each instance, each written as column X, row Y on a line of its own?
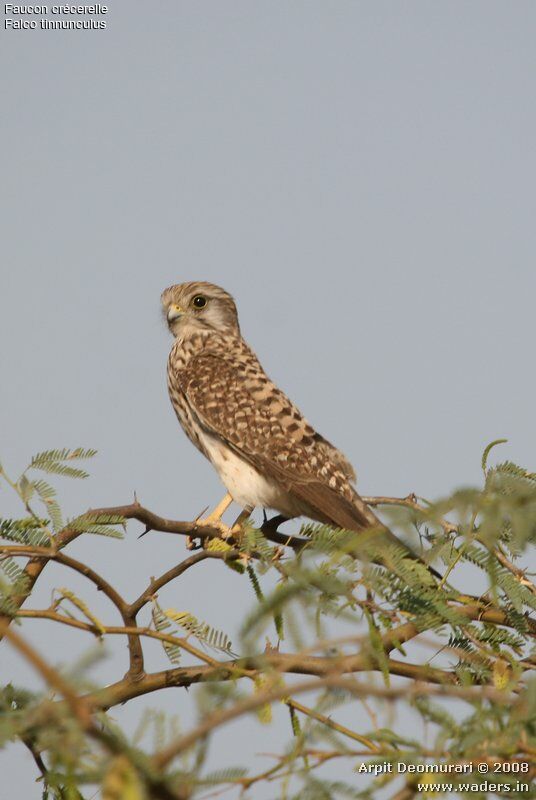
column 129, row 619
column 157, row 583
column 410, row 501
column 78, row 705
column 219, row 718
column 335, row 726
column 82, row 712
column 33, row 569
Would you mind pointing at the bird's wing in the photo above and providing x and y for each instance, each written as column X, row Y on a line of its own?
column 252, row 416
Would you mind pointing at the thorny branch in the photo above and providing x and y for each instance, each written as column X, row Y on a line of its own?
column 333, row 671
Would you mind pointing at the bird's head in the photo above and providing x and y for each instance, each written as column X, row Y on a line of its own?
column 198, row 305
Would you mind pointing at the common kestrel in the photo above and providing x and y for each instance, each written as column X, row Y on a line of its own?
column 264, row 450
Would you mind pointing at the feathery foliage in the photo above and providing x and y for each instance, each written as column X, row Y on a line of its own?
column 204, row 633
column 403, row 667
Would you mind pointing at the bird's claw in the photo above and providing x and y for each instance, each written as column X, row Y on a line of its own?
column 193, row 544
column 214, row 524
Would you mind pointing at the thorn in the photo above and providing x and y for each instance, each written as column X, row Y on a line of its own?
column 204, row 511
column 147, row 530
column 269, row 647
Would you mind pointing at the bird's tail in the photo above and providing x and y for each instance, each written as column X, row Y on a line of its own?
column 319, row 501
column 332, row 508
column 379, row 534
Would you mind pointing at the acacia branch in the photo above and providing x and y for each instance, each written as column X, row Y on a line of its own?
column 301, row 663
column 40, row 764
column 127, row 611
column 129, row 619
column 83, row 714
column 33, row 569
column 126, row 689
column 175, row 572
column 123, row 691
column 519, row 574
column 111, row 630
column 335, row 726
column 52, row 677
column 202, row 531
column 327, row 672
column 410, row 501
column 197, row 529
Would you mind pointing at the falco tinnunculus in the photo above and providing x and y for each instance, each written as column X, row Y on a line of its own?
column 263, row 449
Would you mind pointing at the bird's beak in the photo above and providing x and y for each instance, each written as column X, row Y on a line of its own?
column 174, row 312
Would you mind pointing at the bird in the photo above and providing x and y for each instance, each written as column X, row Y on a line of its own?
column 266, row 453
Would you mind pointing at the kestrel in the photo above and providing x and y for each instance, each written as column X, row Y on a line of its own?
column 262, row 447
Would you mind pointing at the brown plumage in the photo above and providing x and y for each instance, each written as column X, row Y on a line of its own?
column 263, row 448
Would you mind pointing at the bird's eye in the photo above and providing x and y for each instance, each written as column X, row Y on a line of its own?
column 199, row 301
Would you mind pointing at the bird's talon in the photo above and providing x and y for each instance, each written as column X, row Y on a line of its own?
column 214, row 524
column 192, row 544
column 229, row 533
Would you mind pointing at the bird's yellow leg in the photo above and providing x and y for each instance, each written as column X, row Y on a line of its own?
column 214, row 518
column 244, row 515
column 221, row 508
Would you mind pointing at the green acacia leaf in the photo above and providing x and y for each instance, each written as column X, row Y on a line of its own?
column 488, row 450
